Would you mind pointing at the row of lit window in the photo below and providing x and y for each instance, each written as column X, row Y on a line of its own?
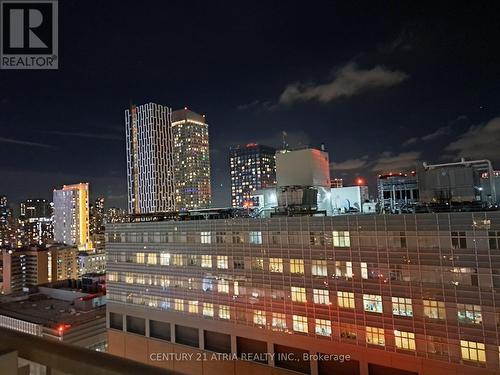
column 338, row 238
column 470, row 350
column 466, row 313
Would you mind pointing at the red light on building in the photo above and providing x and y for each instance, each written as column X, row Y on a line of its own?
column 62, row 327
column 360, row 181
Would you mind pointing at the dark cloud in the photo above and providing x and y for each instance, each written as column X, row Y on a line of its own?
column 387, row 161
column 439, row 132
column 478, row 142
column 350, row 164
column 348, row 81
column 383, row 162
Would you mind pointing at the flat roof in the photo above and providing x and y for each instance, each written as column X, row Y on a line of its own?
column 49, row 312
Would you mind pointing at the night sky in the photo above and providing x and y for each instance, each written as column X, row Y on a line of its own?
column 385, row 85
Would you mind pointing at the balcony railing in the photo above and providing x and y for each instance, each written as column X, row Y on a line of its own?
column 64, row 358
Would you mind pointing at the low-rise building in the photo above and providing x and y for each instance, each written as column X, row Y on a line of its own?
column 58, row 314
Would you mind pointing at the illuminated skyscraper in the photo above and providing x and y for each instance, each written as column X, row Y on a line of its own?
column 71, row 215
column 191, row 160
column 150, row 161
column 7, row 227
column 97, row 216
column 252, row 167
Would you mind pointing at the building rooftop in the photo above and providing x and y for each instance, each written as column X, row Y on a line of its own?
column 49, row 312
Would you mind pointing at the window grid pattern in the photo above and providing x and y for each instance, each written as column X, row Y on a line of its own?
column 290, row 240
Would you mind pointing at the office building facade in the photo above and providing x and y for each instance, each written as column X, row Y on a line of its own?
column 71, row 215
column 150, row 159
column 191, row 160
column 253, row 167
column 398, row 294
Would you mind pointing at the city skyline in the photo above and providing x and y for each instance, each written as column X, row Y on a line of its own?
column 398, row 92
column 265, row 187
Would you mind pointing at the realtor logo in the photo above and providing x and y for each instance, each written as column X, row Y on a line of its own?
column 29, row 34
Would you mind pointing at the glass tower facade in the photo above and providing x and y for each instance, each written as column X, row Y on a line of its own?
column 252, row 167
column 191, row 160
column 150, row 159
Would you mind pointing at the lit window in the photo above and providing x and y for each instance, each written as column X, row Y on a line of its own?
column 139, row 257
column 236, row 288
column 298, row 294
column 140, row 279
column 257, row 263
column 193, row 307
column 404, row 340
column 259, row 317
column 297, row 266
column 472, row 351
column 152, row 258
column 206, row 237
column 206, row 261
column 345, row 300
column 179, row 304
column 323, row 327
column 469, row 313
column 279, row 322
column 300, row 323
column 402, row 306
column 224, row 312
column 321, row 296
column 165, row 259
column 222, row 261
column 129, row 278
column 372, row 303
column 223, row 286
column 341, row 239
column 364, row 270
column 434, row 309
column 207, row 284
column 208, row 309
column 255, row 238
column 375, row 336
column 177, row 260
column 319, row 268
column 276, row 265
